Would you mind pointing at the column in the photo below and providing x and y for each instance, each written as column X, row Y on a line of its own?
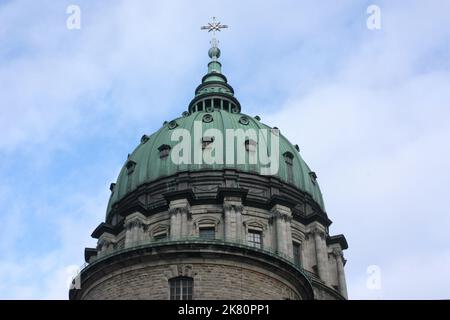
column 175, row 224
column 321, row 254
column 281, row 218
column 232, row 212
column 105, row 244
column 184, row 212
column 340, row 271
column 134, row 226
column 179, row 212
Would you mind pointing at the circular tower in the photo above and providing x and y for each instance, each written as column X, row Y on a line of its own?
column 214, row 205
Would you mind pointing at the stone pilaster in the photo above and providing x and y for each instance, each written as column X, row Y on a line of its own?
column 179, row 212
column 321, row 254
column 105, row 244
column 281, row 218
column 232, row 211
column 134, row 226
column 339, row 257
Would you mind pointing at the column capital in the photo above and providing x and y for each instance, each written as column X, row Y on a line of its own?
column 338, row 253
column 318, row 231
column 230, row 206
column 179, row 206
column 105, row 244
column 134, row 222
column 179, row 210
column 136, row 219
column 106, row 241
column 279, row 211
column 280, row 214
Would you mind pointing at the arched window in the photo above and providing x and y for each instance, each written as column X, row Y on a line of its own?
column 181, row 288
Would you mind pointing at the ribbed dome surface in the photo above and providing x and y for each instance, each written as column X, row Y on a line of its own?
column 147, row 164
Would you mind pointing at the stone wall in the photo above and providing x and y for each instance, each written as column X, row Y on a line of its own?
column 233, row 218
column 219, row 280
column 232, row 221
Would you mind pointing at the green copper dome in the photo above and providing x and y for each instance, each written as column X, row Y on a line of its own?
column 213, row 107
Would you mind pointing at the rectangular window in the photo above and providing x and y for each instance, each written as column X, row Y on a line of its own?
column 181, row 288
column 208, row 233
column 296, row 247
column 254, row 238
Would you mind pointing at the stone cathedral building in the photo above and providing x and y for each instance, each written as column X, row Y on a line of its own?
column 213, row 231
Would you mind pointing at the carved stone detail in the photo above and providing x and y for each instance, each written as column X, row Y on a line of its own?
column 179, row 210
column 179, row 270
column 230, row 206
column 338, row 253
column 278, row 214
column 319, row 232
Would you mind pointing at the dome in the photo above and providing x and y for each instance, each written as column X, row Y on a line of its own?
column 213, row 196
column 214, row 107
column 148, row 165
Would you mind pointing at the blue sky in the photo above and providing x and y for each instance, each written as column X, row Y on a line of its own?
column 369, row 110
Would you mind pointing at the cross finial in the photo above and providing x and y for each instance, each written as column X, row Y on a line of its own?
column 214, row 26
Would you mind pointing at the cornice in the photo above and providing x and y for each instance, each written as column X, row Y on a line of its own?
column 338, row 239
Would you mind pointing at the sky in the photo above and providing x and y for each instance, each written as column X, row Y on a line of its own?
column 369, row 109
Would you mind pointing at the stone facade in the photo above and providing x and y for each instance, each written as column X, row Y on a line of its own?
column 217, row 275
column 218, row 280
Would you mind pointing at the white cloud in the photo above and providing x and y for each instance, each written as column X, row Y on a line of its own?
column 25, row 274
column 377, row 134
